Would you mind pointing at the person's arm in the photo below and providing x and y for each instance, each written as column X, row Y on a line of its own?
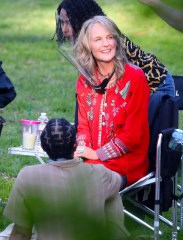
column 169, row 14
column 83, row 138
column 20, row 233
column 153, row 68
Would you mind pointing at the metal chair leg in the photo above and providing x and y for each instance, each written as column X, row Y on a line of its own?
column 181, row 201
column 174, row 210
column 157, row 187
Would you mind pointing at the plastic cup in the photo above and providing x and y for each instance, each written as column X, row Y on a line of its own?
column 29, row 133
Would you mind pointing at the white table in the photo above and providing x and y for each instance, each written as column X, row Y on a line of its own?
column 20, row 151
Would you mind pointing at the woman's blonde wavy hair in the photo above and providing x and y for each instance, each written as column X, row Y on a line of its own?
column 83, row 52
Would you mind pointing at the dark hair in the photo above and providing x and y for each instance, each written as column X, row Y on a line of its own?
column 78, row 11
column 58, row 139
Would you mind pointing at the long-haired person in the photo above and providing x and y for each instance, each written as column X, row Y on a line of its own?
column 113, row 125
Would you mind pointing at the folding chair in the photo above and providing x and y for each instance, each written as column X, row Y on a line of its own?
column 163, row 114
column 179, row 92
column 178, row 80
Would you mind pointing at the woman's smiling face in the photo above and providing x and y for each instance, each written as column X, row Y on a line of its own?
column 102, row 43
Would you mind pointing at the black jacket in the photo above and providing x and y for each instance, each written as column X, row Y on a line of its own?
column 7, row 90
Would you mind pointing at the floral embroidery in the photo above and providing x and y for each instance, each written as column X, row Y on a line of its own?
column 91, row 114
column 115, row 111
column 88, row 100
column 123, row 104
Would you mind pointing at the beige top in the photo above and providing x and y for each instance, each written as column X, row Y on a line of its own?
column 63, row 197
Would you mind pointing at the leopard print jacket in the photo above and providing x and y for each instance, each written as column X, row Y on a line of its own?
column 154, row 70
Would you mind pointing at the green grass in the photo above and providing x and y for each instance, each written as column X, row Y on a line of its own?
column 44, row 81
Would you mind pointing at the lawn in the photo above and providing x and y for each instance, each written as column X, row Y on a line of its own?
column 45, row 82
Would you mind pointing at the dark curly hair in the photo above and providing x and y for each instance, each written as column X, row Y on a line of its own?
column 78, row 11
column 58, row 139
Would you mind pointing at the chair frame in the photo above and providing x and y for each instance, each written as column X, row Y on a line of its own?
column 178, row 80
column 153, row 177
column 156, row 178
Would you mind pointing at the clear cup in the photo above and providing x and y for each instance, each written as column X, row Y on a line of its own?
column 29, row 133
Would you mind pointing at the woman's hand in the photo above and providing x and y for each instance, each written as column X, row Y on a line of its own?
column 85, row 152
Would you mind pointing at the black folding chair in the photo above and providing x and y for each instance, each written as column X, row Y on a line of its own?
column 161, row 181
column 179, row 92
column 178, row 80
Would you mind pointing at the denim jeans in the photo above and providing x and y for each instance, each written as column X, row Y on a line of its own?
column 168, row 86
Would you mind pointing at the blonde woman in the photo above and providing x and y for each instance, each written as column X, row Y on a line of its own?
column 113, row 106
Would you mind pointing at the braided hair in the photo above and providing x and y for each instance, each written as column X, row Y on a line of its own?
column 78, row 11
column 58, row 139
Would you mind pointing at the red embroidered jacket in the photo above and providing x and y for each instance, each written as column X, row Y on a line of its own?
column 115, row 124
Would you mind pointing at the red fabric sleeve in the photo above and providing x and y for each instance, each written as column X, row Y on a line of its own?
column 85, row 137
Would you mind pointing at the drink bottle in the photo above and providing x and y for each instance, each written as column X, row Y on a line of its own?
column 176, row 141
column 43, row 119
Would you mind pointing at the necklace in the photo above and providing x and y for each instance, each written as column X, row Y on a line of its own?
column 101, row 87
column 107, row 75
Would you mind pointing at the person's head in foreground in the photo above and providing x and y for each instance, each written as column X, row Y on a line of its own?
column 70, row 16
column 99, row 44
column 58, row 139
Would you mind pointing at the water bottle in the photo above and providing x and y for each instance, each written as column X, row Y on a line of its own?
column 176, row 141
column 43, row 121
